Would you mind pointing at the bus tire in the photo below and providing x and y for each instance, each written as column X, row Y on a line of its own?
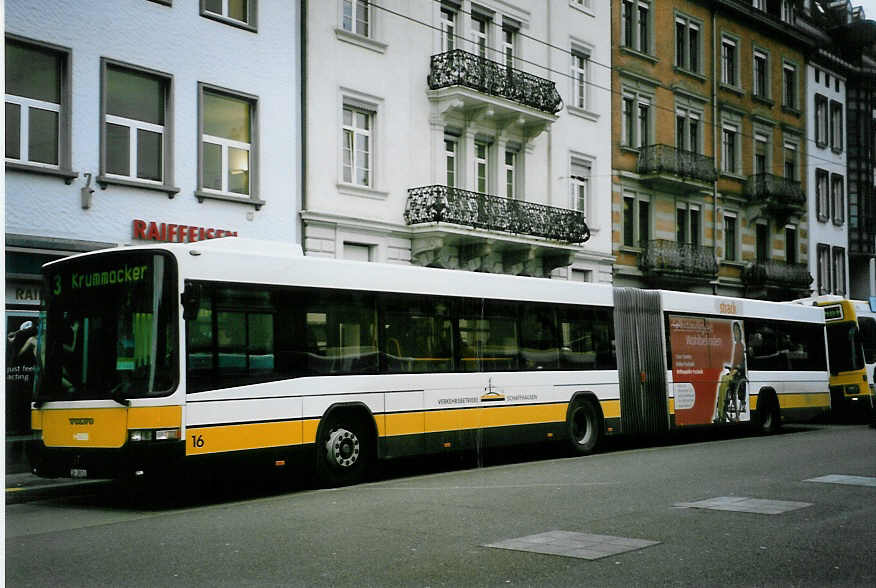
column 585, row 427
column 768, row 415
column 343, row 451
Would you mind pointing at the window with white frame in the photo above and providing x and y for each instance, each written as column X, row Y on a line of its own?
column 134, row 106
column 820, row 120
column 822, row 198
column 688, row 223
column 791, row 244
column 789, row 85
column 480, row 34
column 730, row 148
column 838, row 199
column 791, row 160
column 237, row 12
column 839, row 270
column 836, row 126
column 788, row 11
column 580, row 78
column 451, row 145
column 509, row 36
column 579, row 186
column 482, row 167
column 510, row 174
column 822, row 252
column 636, row 25
column 636, row 119
column 731, row 236
column 227, row 148
column 759, row 4
column 761, row 152
column 448, row 29
column 357, row 129
column 688, row 129
column 37, row 102
column 687, row 43
column 729, row 62
column 636, row 219
column 356, row 17
column 761, row 81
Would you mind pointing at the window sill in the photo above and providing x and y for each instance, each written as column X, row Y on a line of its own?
column 763, row 100
column 734, row 89
column 67, row 174
column 246, row 200
column 734, row 263
column 822, row 219
column 637, row 53
column 104, row 181
column 791, row 110
column 630, row 249
column 821, row 145
column 630, row 150
column 838, row 223
column 690, row 73
column 229, row 21
column 836, row 151
column 361, row 191
column 360, row 40
column 583, row 113
column 580, row 8
column 732, row 176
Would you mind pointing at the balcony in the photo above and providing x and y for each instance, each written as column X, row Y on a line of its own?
column 480, row 87
column 671, row 264
column 781, row 197
column 669, row 169
column 777, row 280
column 468, row 230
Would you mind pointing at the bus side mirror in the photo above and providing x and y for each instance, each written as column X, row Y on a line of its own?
column 191, row 301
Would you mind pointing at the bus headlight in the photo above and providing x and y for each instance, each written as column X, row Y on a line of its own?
column 852, row 390
column 153, row 434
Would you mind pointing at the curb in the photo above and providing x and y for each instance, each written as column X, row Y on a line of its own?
column 32, row 488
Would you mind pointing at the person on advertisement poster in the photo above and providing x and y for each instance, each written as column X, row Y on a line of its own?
column 21, row 345
column 731, row 397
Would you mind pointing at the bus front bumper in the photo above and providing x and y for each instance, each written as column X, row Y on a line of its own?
column 129, row 460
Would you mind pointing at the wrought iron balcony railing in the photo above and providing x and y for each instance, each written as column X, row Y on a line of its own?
column 443, row 204
column 777, row 274
column 460, row 68
column 776, row 191
column 680, row 259
column 658, row 159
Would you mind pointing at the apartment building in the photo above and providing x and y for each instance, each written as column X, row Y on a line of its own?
column 460, row 134
column 131, row 121
column 709, row 145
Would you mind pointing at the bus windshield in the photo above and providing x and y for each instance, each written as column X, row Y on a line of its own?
column 844, row 347
column 110, row 328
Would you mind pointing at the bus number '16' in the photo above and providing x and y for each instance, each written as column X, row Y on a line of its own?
column 197, row 441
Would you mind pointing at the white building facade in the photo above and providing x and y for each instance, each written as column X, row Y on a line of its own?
column 459, row 134
column 130, row 121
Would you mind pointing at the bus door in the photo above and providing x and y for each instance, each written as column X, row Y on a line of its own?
column 641, row 361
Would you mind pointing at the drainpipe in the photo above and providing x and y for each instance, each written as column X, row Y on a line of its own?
column 302, row 187
column 715, row 49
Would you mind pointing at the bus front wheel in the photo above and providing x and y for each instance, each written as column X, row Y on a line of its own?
column 585, row 427
column 343, row 452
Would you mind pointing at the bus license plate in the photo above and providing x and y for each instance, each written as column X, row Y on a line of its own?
column 78, row 473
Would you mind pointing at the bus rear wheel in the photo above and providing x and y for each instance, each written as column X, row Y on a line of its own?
column 343, row 452
column 769, row 417
column 585, row 427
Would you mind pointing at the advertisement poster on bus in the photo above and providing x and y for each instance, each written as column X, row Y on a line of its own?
column 708, row 370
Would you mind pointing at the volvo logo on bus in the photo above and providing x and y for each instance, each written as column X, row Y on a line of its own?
column 82, row 421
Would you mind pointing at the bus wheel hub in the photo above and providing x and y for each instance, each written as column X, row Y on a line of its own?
column 343, row 448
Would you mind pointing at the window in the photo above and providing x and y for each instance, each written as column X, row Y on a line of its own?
column 837, row 196
column 836, row 126
column 236, row 12
column 508, row 38
column 728, row 62
column 822, row 202
column 356, row 17
column 637, row 220
column 791, row 244
column 761, row 153
column 687, row 130
column 789, row 86
column 357, row 146
column 823, row 268
column 788, row 11
column 790, row 160
column 482, row 167
column 759, row 4
column 636, row 25
column 839, row 271
column 688, row 225
column 134, row 104
column 450, row 147
column 687, row 44
column 580, row 78
column 358, row 251
column 510, row 174
column 227, row 158
column 761, row 242
column 731, row 236
column 579, row 184
column 820, row 120
column 761, row 74
column 37, row 105
column 636, row 120
column 480, row 35
column 729, row 149
column 448, row 29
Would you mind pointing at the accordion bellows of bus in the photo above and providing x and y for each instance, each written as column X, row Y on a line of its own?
column 155, row 358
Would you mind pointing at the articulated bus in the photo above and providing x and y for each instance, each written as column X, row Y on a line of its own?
column 851, row 337
column 169, row 356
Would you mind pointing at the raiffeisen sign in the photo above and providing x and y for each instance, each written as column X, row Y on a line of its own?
column 176, row 233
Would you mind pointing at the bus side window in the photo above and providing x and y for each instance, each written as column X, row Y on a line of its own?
column 538, row 338
column 868, row 335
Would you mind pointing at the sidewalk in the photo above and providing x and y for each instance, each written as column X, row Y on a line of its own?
column 27, row 487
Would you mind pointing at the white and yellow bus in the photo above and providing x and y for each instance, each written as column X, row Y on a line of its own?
column 181, row 354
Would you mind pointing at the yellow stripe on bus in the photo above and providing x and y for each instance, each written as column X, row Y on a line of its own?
column 820, row 400
column 202, row 440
